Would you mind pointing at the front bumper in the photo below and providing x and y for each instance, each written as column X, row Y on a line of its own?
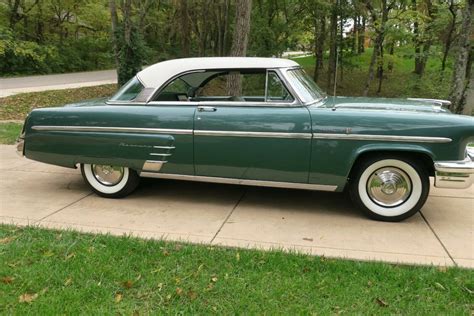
column 455, row 174
column 20, row 145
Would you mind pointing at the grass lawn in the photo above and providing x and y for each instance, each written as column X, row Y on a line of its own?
column 16, row 107
column 9, row 132
column 53, row 272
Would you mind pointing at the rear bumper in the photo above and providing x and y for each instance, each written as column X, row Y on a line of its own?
column 455, row 174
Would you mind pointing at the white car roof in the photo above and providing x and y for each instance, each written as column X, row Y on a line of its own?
column 156, row 75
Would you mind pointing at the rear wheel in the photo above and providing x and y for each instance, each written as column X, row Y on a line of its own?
column 110, row 181
column 389, row 188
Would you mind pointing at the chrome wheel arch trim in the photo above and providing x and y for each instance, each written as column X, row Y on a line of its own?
column 258, row 183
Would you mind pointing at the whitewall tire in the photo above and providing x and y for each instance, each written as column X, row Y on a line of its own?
column 110, row 181
column 389, row 188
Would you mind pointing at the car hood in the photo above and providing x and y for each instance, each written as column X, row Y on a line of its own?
column 90, row 102
column 385, row 104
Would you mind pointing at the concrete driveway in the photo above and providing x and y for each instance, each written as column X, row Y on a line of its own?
column 318, row 223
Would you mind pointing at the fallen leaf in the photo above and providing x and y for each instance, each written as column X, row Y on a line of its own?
column 214, row 279
column 8, row 279
column 192, row 295
column 237, row 256
column 440, row 286
column 68, row 282
column 71, row 255
column 48, row 253
column 166, row 253
column 160, row 286
column 179, row 291
column 6, row 240
column 308, row 239
column 27, row 298
column 369, row 283
column 118, row 297
column 128, row 284
column 381, row 302
column 442, row 269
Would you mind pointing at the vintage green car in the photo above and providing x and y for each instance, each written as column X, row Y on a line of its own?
column 261, row 122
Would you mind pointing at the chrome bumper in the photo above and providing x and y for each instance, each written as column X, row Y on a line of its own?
column 455, row 174
column 20, row 146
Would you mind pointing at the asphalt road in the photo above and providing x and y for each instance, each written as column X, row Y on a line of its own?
column 14, row 85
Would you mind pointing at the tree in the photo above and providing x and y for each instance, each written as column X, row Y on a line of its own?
column 239, row 42
column 462, row 67
column 242, row 28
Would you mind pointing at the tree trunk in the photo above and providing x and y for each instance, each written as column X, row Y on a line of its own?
column 242, row 28
column 319, row 49
column 239, row 42
column 114, row 20
column 449, row 39
column 331, row 73
column 361, row 41
column 461, row 72
column 185, row 33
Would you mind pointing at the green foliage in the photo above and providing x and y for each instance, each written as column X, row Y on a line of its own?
column 131, row 55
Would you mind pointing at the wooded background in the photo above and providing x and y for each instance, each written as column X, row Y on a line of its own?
column 382, row 47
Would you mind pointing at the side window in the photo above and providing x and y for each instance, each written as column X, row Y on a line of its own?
column 223, row 85
column 234, row 86
column 276, row 90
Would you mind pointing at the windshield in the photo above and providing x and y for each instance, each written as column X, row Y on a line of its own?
column 129, row 91
column 305, row 86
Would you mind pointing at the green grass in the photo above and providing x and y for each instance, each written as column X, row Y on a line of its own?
column 16, row 107
column 70, row 273
column 9, row 132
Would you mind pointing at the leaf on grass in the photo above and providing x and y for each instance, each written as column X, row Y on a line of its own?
column 68, row 282
column 166, row 253
column 369, row 283
column 71, row 255
column 160, row 286
column 381, row 302
column 179, row 291
column 214, row 279
column 6, row 240
column 8, row 279
column 442, row 269
column 237, row 256
column 440, row 286
column 48, row 253
column 192, row 295
column 118, row 297
column 128, row 284
column 27, row 297
column 307, row 239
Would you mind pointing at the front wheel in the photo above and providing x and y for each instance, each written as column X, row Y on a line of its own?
column 110, row 181
column 389, row 189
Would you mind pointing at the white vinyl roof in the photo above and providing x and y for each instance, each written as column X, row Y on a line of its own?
column 156, row 75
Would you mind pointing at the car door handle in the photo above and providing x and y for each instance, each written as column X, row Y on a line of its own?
column 206, row 109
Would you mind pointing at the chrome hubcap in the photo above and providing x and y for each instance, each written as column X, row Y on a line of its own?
column 107, row 175
column 389, row 187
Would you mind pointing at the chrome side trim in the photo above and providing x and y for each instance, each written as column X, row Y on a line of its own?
column 438, row 101
column 252, row 134
column 156, row 154
column 153, row 166
column 164, row 147
column 258, row 183
column 387, row 138
column 113, row 129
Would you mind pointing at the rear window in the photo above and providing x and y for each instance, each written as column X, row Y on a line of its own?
column 129, row 91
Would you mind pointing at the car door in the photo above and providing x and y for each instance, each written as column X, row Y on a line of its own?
column 255, row 131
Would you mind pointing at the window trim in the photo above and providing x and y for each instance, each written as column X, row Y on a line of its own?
column 296, row 100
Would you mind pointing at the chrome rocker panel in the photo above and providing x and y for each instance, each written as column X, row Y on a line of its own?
column 455, row 174
column 258, row 183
